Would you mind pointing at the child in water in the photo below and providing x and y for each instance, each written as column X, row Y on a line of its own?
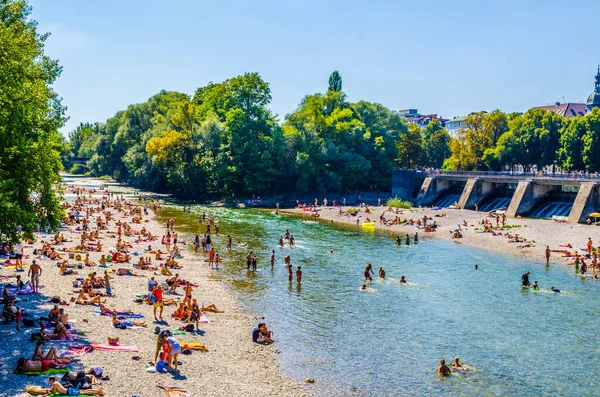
column 299, row 274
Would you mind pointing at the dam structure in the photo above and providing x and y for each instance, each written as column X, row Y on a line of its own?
column 572, row 198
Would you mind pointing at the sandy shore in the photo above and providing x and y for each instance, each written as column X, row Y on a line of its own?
column 233, row 366
column 539, row 233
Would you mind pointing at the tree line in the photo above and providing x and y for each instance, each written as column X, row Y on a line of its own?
column 224, row 141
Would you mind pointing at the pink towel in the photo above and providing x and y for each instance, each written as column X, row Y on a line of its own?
column 115, row 348
column 79, row 350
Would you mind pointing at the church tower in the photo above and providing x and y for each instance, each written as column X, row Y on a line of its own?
column 594, row 98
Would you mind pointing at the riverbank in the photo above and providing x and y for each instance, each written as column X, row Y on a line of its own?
column 535, row 233
column 233, row 365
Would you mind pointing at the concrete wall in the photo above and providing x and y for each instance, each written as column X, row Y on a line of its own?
column 526, row 195
column 475, row 190
column 431, row 190
column 404, row 184
column 586, row 202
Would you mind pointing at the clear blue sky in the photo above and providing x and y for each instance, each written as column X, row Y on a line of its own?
column 446, row 57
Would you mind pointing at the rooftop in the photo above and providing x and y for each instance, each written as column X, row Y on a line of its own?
column 565, row 109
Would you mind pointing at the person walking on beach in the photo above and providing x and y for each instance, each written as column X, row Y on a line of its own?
column 157, row 300
column 35, row 271
column 525, row 279
column 590, row 246
column 18, row 248
column 547, row 255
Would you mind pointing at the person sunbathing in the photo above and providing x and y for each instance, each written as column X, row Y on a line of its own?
column 59, row 332
column 181, row 313
column 126, row 272
column 25, row 365
column 64, row 271
column 211, row 308
column 52, row 354
column 82, row 299
column 122, row 324
column 57, row 388
column 165, row 271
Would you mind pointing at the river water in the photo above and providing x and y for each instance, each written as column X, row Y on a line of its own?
column 387, row 341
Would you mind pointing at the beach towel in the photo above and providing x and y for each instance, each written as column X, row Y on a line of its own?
column 49, row 371
column 115, row 348
column 79, row 350
column 123, row 315
column 194, row 346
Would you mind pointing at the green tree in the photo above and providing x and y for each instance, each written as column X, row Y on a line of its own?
column 436, row 144
column 570, row 153
column 335, row 82
column 30, row 115
column 591, row 142
column 410, row 147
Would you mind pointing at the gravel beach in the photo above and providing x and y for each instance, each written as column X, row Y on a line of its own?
column 233, row 365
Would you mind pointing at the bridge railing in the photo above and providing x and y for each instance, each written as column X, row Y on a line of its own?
column 539, row 176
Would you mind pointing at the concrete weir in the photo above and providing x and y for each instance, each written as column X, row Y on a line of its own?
column 531, row 192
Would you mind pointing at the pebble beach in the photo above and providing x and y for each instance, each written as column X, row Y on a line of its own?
column 232, row 366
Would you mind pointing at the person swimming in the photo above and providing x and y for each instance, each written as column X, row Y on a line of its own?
column 363, row 287
column 443, row 369
column 458, row 366
column 554, row 290
column 403, row 280
column 476, row 267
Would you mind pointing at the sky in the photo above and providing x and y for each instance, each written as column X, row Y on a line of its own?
column 445, row 57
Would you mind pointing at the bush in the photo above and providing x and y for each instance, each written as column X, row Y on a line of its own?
column 397, row 203
column 77, row 169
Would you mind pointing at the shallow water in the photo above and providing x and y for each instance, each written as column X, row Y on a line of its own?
column 388, row 340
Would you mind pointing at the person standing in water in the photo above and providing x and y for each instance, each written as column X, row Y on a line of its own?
column 249, row 260
column 272, row 258
column 228, row 243
column 398, row 240
column 289, row 267
column 525, row 279
column 417, row 238
column 443, row 369
column 368, row 272
column 407, row 239
column 299, row 275
column 381, row 273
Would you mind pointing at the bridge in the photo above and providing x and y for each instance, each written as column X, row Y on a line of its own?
column 539, row 195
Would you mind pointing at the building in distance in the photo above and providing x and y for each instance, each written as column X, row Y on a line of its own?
column 413, row 116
